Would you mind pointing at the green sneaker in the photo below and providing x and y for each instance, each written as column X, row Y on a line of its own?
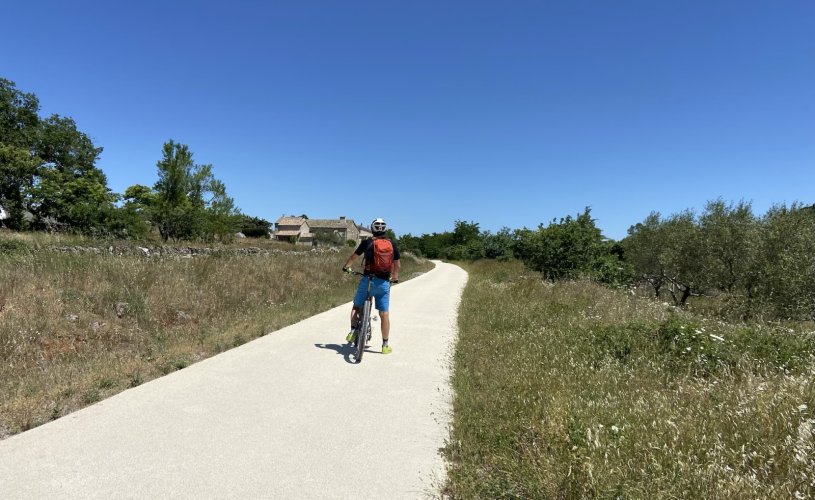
column 350, row 337
column 386, row 349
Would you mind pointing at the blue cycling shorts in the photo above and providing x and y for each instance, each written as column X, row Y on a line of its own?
column 380, row 290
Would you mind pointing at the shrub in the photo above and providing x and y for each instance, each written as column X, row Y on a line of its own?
column 570, row 249
column 328, row 238
column 13, row 246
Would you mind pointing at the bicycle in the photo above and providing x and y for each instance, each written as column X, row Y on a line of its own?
column 364, row 323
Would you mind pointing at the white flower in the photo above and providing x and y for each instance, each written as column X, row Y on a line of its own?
column 716, row 337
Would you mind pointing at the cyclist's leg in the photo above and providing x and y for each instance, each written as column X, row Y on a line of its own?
column 355, row 313
column 359, row 301
column 356, row 309
column 382, row 296
column 384, row 317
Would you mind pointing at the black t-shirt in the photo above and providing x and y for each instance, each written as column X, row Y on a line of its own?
column 367, row 247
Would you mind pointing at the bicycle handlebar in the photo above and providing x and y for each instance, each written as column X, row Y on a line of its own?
column 351, row 271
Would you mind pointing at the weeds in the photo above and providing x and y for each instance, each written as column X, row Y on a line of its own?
column 76, row 328
column 572, row 390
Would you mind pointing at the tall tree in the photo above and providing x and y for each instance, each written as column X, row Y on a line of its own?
column 68, row 186
column 187, row 201
column 644, row 245
column 19, row 130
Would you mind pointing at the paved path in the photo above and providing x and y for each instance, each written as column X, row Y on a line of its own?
column 274, row 418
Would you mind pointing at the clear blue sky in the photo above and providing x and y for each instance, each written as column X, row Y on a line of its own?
column 424, row 112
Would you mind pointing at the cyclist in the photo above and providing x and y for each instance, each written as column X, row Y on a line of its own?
column 381, row 261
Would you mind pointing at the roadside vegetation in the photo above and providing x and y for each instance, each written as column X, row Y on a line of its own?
column 571, row 389
column 752, row 265
column 76, row 328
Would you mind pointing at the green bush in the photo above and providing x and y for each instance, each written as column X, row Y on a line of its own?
column 13, row 246
column 350, row 243
column 570, row 249
column 326, row 238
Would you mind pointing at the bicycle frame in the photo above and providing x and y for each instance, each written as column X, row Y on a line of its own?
column 364, row 320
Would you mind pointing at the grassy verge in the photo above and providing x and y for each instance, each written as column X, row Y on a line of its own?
column 572, row 390
column 77, row 328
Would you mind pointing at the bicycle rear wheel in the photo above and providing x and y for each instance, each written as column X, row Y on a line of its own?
column 364, row 330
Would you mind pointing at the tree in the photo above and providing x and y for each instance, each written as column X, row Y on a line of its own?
column 409, row 243
column 328, row 238
column 465, row 233
column 499, row 246
column 434, row 245
column 730, row 237
column 222, row 215
column 19, row 130
column 19, row 119
column 644, row 245
column 17, row 169
column 254, row 227
column 140, row 197
column 187, row 202
column 68, row 186
column 785, row 264
column 764, row 266
column 565, row 249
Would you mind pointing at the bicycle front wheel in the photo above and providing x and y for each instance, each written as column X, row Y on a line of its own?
column 364, row 329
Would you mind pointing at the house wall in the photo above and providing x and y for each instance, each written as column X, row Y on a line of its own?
column 353, row 233
column 303, row 228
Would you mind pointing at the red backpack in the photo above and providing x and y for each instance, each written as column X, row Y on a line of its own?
column 382, row 260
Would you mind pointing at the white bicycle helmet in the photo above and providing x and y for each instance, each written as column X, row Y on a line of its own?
column 378, row 226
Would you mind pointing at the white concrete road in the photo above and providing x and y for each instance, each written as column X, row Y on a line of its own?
column 284, row 416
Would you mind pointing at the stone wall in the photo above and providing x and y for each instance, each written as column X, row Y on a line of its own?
column 184, row 252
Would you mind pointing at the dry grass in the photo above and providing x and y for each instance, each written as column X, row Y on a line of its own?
column 61, row 239
column 572, row 390
column 64, row 344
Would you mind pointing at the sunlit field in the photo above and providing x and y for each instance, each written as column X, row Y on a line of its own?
column 573, row 390
column 76, row 328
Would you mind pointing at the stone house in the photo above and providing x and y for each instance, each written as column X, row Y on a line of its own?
column 343, row 227
column 286, row 227
column 365, row 233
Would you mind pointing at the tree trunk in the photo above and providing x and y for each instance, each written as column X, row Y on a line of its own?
column 685, row 295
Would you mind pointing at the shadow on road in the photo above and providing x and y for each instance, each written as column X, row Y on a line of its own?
column 347, row 350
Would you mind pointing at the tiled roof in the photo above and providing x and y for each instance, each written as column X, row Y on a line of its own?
column 288, row 233
column 363, row 228
column 330, row 223
column 290, row 221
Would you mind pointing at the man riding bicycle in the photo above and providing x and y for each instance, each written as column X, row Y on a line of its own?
column 381, row 262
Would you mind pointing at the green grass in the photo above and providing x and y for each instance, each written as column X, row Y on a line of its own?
column 64, row 345
column 572, row 390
